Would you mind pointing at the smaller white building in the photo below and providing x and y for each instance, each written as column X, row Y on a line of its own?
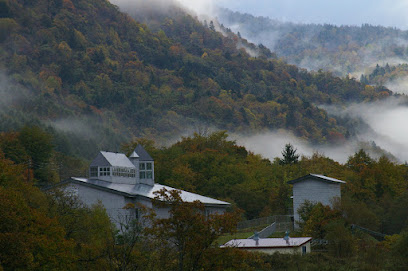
column 314, row 188
column 294, row 245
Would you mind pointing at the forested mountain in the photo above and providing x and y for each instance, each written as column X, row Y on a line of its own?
column 87, row 70
column 340, row 49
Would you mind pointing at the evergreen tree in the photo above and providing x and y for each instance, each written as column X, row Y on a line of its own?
column 289, row 155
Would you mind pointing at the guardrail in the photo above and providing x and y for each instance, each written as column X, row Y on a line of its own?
column 264, row 221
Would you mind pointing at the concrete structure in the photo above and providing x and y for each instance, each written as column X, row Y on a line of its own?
column 314, row 188
column 117, row 180
column 295, row 245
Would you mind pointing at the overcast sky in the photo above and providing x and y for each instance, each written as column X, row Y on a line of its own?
column 339, row 12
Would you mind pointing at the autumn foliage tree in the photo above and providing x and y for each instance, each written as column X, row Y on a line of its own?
column 189, row 232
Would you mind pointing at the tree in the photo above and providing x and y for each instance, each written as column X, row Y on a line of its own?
column 189, row 233
column 38, row 145
column 29, row 238
column 304, row 211
column 212, row 26
column 289, row 155
column 320, row 216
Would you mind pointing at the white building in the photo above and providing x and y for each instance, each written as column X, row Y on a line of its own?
column 314, row 188
column 294, row 245
column 117, row 180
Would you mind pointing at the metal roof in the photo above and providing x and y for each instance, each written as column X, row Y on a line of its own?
column 144, row 190
column 134, row 155
column 316, row 177
column 112, row 159
column 142, row 153
column 268, row 242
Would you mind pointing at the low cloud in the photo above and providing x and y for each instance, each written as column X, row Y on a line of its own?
column 271, row 144
column 10, row 93
column 386, row 121
column 79, row 127
column 399, row 85
column 385, row 133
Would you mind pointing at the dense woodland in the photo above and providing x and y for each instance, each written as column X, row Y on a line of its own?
column 51, row 230
column 394, row 76
column 85, row 61
column 339, row 49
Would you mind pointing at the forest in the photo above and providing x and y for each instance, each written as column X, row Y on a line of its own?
column 75, row 66
column 47, row 229
column 342, row 49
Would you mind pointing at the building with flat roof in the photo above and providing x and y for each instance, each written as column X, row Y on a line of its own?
column 314, row 188
column 293, row 245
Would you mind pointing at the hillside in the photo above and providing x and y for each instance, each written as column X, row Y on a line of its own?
column 73, row 64
column 394, row 77
column 340, row 49
column 56, row 231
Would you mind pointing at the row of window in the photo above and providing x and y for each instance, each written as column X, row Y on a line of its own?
column 146, row 171
column 145, row 166
column 124, row 172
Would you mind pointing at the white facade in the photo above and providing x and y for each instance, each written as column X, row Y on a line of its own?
column 314, row 188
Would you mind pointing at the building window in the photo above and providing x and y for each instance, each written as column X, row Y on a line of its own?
column 142, row 166
column 142, row 175
column 124, row 172
column 93, row 171
column 146, row 170
column 303, row 250
column 104, row 171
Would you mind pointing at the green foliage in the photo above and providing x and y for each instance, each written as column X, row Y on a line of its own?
column 305, row 211
column 320, row 216
column 341, row 242
column 56, row 231
column 189, row 230
column 29, row 238
column 289, row 155
column 38, row 145
column 155, row 83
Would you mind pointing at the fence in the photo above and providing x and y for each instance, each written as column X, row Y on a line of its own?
column 280, row 220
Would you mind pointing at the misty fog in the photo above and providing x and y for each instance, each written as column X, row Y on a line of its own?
column 384, row 119
column 387, row 130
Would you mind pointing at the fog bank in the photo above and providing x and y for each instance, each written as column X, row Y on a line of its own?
column 387, row 132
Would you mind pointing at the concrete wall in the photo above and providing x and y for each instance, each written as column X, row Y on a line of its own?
column 314, row 191
column 290, row 250
column 113, row 203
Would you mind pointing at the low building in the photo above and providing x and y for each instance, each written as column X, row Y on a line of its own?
column 294, row 245
column 116, row 181
column 314, row 188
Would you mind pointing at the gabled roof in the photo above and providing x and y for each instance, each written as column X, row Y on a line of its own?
column 143, row 190
column 268, row 242
column 106, row 159
column 142, row 153
column 316, row 177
